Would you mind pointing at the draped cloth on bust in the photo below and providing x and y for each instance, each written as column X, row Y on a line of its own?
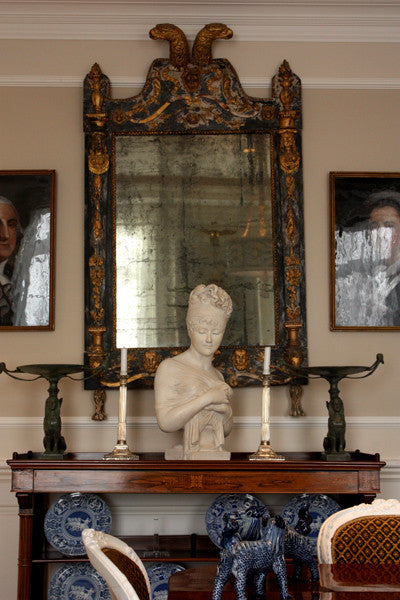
column 181, row 384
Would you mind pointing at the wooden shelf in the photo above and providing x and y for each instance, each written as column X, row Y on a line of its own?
column 181, row 548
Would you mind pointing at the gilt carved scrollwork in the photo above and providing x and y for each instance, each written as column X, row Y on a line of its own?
column 97, row 163
column 193, row 92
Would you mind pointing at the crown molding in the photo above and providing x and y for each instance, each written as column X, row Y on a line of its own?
column 254, row 20
column 259, row 83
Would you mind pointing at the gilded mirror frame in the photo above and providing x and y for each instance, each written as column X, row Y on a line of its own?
column 171, row 102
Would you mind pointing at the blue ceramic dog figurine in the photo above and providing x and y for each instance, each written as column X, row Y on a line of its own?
column 241, row 554
column 241, row 558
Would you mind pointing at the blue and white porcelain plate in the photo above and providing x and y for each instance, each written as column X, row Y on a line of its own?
column 78, row 581
column 159, row 574
column 69, row 516
column 245, row 507
column 318, row 506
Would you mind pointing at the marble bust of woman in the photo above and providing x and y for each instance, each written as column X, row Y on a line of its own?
column 190, row 394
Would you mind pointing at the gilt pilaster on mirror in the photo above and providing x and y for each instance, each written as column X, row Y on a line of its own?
column 287, row 89
column 96, row 92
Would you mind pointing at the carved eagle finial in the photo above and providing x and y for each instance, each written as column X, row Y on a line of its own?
column 178, row 46
column 201, row 52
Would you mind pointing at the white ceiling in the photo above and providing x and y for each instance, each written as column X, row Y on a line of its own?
column 290, row 20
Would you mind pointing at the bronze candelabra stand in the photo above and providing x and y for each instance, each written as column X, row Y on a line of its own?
column 334, row 443
column 53, row 442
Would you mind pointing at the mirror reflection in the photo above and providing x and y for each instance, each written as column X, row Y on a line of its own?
column 191, row 209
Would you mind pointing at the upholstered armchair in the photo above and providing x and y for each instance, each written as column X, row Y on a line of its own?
column 118, row 564
column 363, row 534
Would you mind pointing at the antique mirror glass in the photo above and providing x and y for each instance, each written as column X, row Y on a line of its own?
column 192, row 208
column 192, row 181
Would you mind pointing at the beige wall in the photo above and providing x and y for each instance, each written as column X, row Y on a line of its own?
column 351, row 122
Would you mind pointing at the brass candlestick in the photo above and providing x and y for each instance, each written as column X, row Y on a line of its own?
column 265, row 450
column 121, row 450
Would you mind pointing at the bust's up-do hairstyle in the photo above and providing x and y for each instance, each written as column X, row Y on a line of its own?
column 211, row 295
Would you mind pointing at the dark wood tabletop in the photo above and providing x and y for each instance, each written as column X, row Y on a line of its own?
column 337, row 582
column 360, row 578
column 299, row 472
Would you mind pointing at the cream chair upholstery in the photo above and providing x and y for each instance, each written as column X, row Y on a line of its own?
column 118, row 564
column 366, row 533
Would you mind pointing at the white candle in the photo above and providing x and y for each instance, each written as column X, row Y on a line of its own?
column 124, row 362
column 265, row 406
column 267, row 357
column 265, row 403
column 122, row 414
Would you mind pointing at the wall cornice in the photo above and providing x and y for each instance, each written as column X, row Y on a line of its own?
column 257, row 20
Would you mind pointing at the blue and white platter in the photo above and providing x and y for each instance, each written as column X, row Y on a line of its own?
column 77, row 582
column 69, row 516
column 320, row 507
column 245, row 507
column 159, row 574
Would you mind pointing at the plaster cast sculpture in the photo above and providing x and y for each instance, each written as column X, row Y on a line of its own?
column 190, row 394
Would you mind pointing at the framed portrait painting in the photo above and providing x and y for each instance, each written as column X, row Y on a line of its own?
column 365, row 251
column 27, row 224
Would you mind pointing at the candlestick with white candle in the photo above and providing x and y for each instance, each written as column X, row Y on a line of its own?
column 121, row 450
column 265, row 452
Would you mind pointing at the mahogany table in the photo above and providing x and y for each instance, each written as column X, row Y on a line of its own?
column 340, row 582
column 33, row 480
column 360, row 578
